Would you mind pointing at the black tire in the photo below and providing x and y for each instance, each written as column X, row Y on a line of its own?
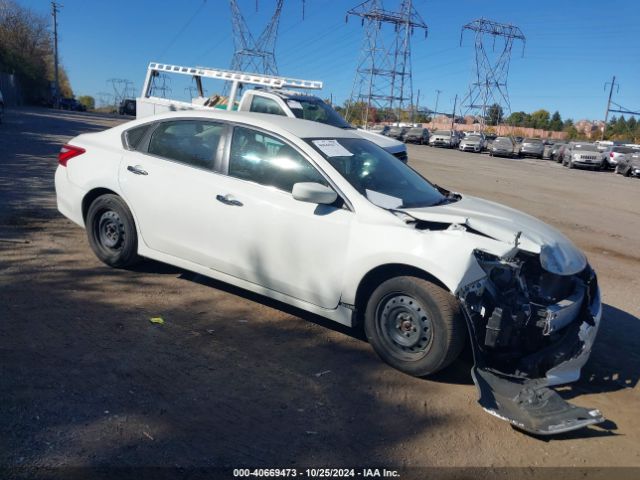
column 414, row 325
column 570, row 164
column 112, row 232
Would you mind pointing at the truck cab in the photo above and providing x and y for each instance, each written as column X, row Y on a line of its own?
column 309, row 107
column 269, row 95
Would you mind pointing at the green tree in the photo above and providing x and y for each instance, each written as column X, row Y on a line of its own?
column 494, row 114
column 518, row 119
column 26, row 49
column 556, row 122
column 88, row 101
column 540, row 119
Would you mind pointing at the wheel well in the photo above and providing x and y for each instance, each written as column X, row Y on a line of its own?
column 375, row 277
column 91, row 196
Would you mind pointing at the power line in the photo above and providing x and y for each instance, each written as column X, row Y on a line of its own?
column 182, row 30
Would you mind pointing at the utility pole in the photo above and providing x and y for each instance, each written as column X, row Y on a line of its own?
column 415, row 107
column 606, row 115
column 435, row 110
column 453, row 117
column 55, row 7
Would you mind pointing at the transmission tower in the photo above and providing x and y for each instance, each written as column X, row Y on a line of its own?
column 489, row 85
column 383, row 77
column 251, row 55
column 122, row 89
column 105, row 99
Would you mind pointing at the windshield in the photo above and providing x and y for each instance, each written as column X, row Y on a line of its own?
column 442, row 132
column 589, row 147
column 503, row 141
column 376, row 174
column 314, row 109
column 532, row 140
column 415, row 131
column 396, row 129
column 473, row 138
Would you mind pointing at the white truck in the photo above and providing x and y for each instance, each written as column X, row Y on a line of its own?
column 270, row 94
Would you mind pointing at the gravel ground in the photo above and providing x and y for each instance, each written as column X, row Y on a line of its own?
column 231, row 379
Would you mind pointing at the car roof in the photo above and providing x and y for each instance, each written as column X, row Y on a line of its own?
column 297, row 127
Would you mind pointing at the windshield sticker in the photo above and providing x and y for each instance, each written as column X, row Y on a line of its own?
column 382, row 200
column 331, row 148
column 294, row 104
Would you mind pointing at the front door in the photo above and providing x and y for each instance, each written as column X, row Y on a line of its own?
column 267, row 237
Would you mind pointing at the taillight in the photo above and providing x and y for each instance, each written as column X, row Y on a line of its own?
column 610, row 154
column 67, row 152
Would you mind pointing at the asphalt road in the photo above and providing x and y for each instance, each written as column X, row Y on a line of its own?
column 232, row 380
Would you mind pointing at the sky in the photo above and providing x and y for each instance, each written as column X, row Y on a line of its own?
column 572, row 47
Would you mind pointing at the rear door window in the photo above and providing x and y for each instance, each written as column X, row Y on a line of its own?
column 191, row 142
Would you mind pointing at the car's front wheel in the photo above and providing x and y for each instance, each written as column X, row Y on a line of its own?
column 414, row 325
column 112, row 231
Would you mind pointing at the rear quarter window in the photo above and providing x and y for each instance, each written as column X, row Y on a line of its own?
column 133, row 137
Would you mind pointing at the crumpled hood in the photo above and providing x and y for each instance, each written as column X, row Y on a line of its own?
column 558, row 254
column 389, row 144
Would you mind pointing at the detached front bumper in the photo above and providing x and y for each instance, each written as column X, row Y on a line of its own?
column 518, row 390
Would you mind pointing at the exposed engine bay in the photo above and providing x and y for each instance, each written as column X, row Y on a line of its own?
column 524, row 322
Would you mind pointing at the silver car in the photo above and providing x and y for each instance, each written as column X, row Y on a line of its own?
column 502, row 147
column 579, row 154
column 472, row 143
column 532, row 147
column 443, row 138
column 613, row 154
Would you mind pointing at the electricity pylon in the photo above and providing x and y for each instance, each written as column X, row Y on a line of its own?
column 251, row 55
column 489, row 85
column 383, row 76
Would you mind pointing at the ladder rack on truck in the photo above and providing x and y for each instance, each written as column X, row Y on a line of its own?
column 198, row 73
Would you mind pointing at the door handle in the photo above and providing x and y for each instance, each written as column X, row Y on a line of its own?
column 229, row 200
column 137, row 170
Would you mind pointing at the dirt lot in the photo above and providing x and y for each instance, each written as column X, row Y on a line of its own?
column 231, row 379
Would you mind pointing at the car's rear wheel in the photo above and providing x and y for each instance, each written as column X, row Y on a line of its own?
column 111, row 231
column 414, row 325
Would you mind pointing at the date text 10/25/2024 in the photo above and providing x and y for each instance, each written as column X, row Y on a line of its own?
column 316, row 472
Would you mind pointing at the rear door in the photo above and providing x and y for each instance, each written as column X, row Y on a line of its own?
column 169, row 180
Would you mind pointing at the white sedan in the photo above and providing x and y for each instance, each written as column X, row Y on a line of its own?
column 322, row 219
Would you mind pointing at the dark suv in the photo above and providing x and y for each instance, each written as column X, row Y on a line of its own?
column 127, row 107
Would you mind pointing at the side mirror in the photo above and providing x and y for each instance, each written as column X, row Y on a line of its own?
column 314, row 193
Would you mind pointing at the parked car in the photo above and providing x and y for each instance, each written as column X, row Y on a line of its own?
column 444, row 138
column 629, row 165
column 1, row 106
column 398, row 133
column 503, row 147
column 556, row 151
column 532, row 147
column 320, row 218
column 548, row 147
column 127, row 107
column 489, row 138
column 71, row 104
column 417, row 135
column 472, row 143
column 612, row 155
column 580, row 154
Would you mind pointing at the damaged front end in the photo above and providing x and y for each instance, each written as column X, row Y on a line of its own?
column 531, row 329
